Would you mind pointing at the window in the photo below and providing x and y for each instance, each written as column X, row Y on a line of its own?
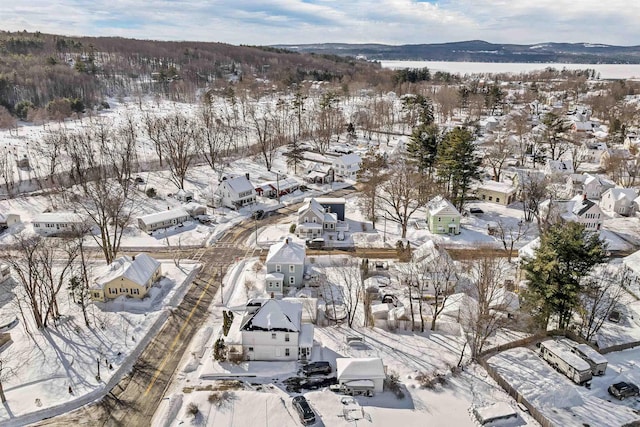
column 292, row 280
column 113, row 291
column 250, row 348
column 286, row 337
column 497, row 199
column 273, row 336
column 484, row 197
column 96, row 294
column 278, row 268
column 292, row 268
column 286, row 352
column 490, row 198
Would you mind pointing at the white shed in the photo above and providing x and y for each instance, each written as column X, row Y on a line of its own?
column 350, row 370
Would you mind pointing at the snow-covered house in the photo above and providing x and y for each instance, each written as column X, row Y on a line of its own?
column 502, row 193
column 347, row 166
column 184, row 195
column 313, row 220
column 235, row 192
column 274, row 332
column 363, row 373
column 591, row 185
column 164, row 219
column 592, row 151
column 619, row 200
column 194, row 209
column 8, row 219
column 58, row 223
column 442, row 216
column 129, row 276
column 578, row 209
column 318, row 173
column 558, row 167
column 287, row 258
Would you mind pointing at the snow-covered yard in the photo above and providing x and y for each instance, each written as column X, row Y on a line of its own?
column 50, row 369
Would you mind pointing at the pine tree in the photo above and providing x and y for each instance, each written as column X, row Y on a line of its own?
column 557, row 272
column 294, row 154
column 458, row 164
column 423, row 146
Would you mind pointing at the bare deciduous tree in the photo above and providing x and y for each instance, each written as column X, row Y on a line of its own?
column 349, row 273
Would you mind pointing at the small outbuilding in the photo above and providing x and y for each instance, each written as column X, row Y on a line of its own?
column 164, row 219
column 360, row 370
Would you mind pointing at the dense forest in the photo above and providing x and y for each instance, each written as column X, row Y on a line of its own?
column 39, row 70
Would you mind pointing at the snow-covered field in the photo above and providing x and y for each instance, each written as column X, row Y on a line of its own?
column 51, row 370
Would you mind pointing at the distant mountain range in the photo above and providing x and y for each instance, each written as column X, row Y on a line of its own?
column 481, row 51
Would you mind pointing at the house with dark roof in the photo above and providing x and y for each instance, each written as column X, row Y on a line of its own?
column 579, row 209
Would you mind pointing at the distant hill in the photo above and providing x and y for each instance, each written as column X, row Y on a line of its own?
column 481, row 51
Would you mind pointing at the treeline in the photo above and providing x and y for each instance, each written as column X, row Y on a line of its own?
column 38, row 68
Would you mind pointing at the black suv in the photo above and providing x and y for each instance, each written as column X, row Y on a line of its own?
column 315, row 368
column 307, row 416
column 623, row 390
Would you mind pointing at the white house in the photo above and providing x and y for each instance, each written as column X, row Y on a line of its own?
column 592, row 151
column 235, row 193
column 578, row 209
column 129, row 276
column 274, row 332
column 558, row 167
column 57, row 223
column 7, row 220
column 502, row 193
column 361, row 372
column 619, row 200
column 164, row 219
column 313, row 220
column 287, row 258
column 318, row 173
column 347, row 166
column 591, row 185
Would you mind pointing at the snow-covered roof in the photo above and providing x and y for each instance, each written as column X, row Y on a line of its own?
column 274, row 276
column 286, row 251
column 239, row 184
column 305, row 340
column 138, row 269
column 58, row 218
column 275, row 315
column 4, row 217
column 622, row 193
column 330, row 200
column 348, row 159
column 502, row 187
column 581, row 205
column 633, row 262
column 359, row 368
column 312, row 204
column 441, row 206
column 164, row 216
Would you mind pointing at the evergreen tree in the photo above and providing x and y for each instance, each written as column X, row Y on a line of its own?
column 423, row 146
column 565, row 257
column 458, row 165
column 294, row 154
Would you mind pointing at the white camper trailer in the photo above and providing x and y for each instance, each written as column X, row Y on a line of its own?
column 597, row 361
column 562, row 359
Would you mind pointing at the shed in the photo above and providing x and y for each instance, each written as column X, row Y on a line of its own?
column 350, row 370
column 164, row 219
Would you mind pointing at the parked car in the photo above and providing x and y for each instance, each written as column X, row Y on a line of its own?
column 259, row 214
column 307, row 416
column 623, row 390
column 315, row 243
column 139, row 180
column 476, row 211
column 315, row 368
column 335, row 312
column 614, row 316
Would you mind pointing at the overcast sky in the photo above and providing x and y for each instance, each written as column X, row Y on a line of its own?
column 349, row 21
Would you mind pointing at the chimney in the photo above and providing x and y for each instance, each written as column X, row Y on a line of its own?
column 286, row 241
column 133, row 257
column 584, row 196
column 247, row 175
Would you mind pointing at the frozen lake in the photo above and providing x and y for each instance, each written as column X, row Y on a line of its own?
column 607, row 71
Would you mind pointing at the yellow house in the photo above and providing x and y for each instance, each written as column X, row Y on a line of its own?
column 501, row 193
column 130, row 276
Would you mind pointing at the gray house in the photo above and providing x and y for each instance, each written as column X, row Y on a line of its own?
column 287, row 258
